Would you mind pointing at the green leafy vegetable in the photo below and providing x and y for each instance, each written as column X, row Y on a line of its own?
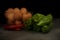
column 28, row 24
column 46, row 28
column 37, row 17
column 42, row 22
column 39, row 22
column 47, row 19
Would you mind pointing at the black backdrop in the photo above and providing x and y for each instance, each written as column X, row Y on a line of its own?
column 43, row 7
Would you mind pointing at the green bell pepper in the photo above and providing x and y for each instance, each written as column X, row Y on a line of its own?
column 47, row 19
column 46, row 28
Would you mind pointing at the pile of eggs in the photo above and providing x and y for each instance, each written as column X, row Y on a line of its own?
column 17, row 15
column 15, row 18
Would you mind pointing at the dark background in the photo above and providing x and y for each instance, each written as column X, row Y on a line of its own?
column 44, row 7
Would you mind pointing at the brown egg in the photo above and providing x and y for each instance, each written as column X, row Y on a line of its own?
column 10, row 21
column 9, row 15
column 17, row 13
column 20, row 14
column 17, row 22
column 29, row 14
column 9, row 10
column 23, row 10
column 10, row 18
column 25, row 17
column 16, row 10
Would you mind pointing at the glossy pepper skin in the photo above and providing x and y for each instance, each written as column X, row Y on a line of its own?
column 36, row 18
column 43, row 24
column 47, row 19
column 36, row 28
column 39, row 22
column 46, row 28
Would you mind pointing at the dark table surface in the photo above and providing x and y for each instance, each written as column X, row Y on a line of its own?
column 54, row 34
